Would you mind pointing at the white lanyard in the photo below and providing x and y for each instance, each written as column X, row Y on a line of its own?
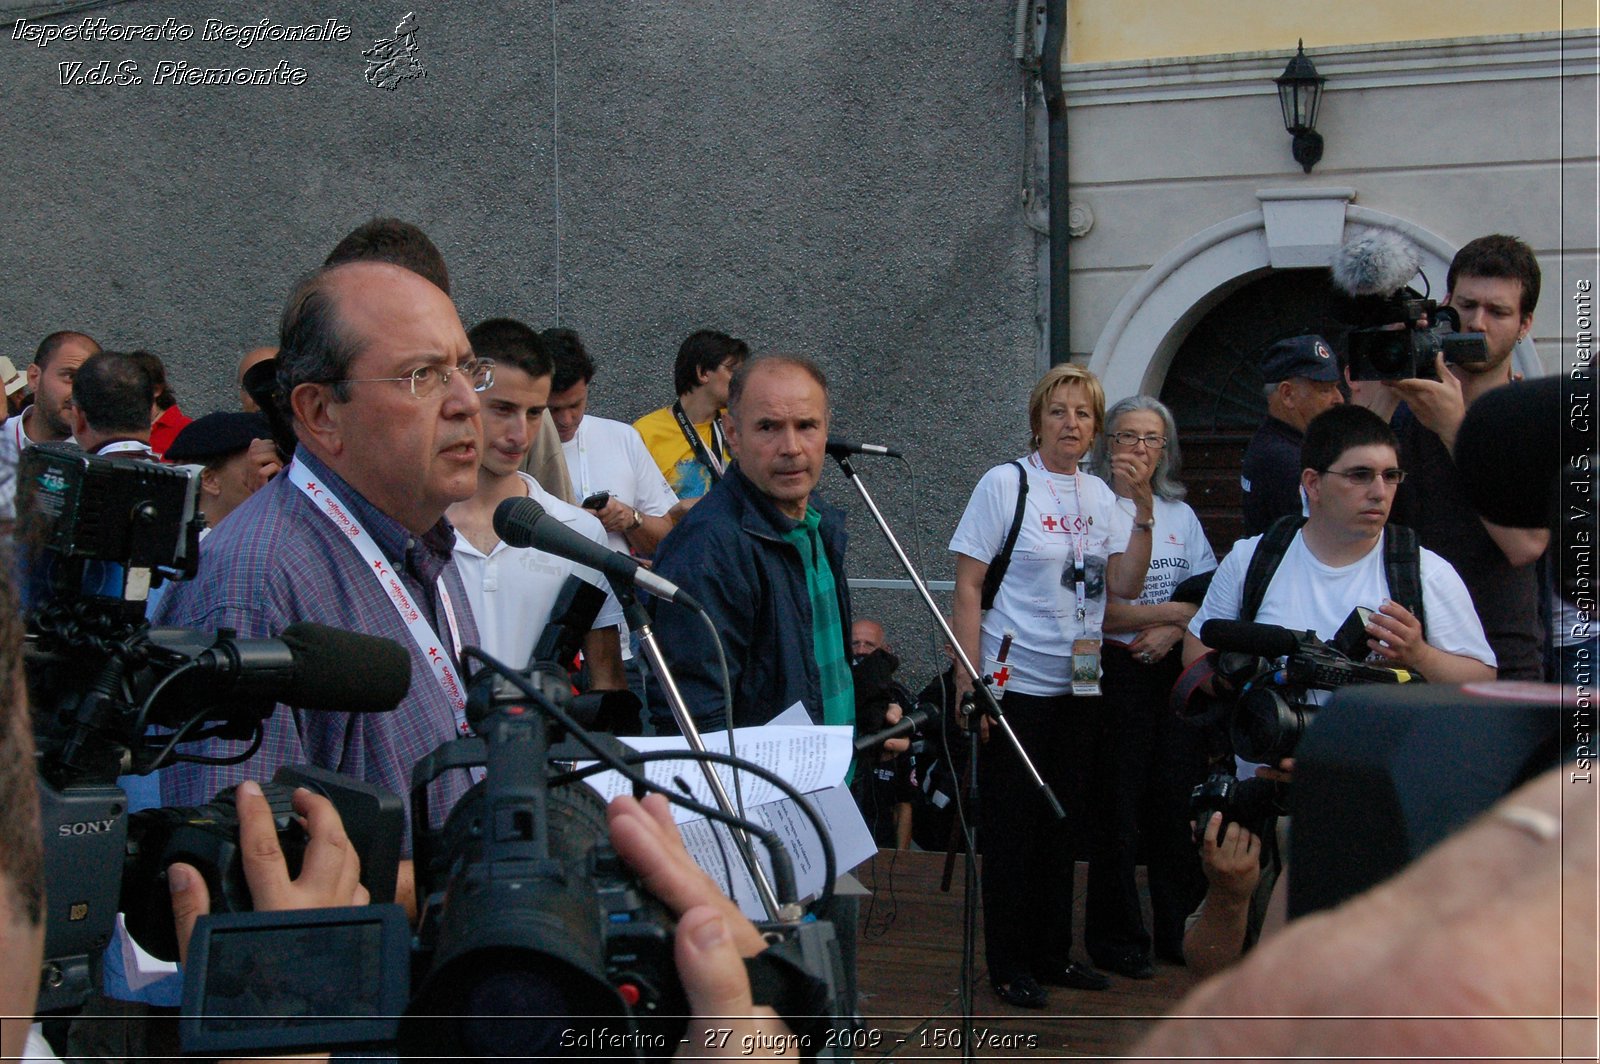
column 583, row 488
column 328, row 504
column 1079, row 573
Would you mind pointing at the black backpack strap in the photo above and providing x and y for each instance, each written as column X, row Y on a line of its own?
column 1402, row 568
column 1269, row 553
column 1002, row 561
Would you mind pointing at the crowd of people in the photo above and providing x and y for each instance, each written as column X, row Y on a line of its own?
column 1080, row 571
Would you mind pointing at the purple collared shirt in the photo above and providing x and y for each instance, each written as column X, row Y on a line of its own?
column 276, row 561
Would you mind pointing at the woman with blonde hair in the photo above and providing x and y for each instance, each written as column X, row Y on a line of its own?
column 1040, row 545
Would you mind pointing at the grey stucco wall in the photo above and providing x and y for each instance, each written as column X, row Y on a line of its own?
column 840, row 180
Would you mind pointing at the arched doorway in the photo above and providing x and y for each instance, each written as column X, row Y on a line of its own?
column 1215, row 389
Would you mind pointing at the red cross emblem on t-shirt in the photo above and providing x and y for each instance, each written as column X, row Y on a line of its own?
column 1050, row 523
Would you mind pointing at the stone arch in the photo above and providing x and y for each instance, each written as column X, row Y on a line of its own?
column 1295, row 228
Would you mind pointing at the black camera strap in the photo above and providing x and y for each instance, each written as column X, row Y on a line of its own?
column 1402, row 566
column 778, row 978
column 1002, row 561
column 715, row 459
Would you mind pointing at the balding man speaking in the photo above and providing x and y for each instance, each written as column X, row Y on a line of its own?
column 383, row 387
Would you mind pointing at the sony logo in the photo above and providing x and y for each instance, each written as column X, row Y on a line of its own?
column 85, row 827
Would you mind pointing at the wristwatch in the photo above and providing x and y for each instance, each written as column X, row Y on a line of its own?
column 638, row 519
column 1148, row 524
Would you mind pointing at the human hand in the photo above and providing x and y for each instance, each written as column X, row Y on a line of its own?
column 263, row 461
column 616, row 515
column 1284, row 773
column 1156, row 642
column 330, row 874
column 1133, row 470
column 712, row 939
column 1232, row 864
column 1438, row 404
column 1396, row 635
column 892, row 748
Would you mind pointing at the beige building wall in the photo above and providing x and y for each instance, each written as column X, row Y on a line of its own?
column 1108, row 31
column 1450, row 138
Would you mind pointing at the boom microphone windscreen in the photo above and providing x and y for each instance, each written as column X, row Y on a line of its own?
column 1248, row 637
column 343, row 672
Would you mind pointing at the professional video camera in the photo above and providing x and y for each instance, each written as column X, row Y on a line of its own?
column 1399, row 332
column 535, row 939
column 113, row 697
column 1273, row 669
column 1385, row 353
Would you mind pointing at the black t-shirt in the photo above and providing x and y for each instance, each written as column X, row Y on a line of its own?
column 1433, row 503
column 1270, row 475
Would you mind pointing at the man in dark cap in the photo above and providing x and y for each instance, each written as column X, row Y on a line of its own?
column 236, row 456
column 1302, row 378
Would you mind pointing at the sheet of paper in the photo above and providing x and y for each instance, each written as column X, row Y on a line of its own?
column 812, row 758
column 713, row 850
column 809, row 757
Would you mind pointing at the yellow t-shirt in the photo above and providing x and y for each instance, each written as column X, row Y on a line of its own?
column 686, row 475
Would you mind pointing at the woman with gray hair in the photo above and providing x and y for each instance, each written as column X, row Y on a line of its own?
column 1148, row 760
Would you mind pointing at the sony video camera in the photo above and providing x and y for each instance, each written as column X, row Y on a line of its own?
column 535, row 939
column 113, row 697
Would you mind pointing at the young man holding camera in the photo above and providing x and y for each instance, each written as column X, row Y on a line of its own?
column 1335, row 563
column 1494, row 285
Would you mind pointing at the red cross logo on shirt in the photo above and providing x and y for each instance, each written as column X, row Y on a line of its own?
column 1050, row 523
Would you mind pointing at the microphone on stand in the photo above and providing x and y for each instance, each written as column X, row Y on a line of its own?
column 842, row 448
column 524, row 523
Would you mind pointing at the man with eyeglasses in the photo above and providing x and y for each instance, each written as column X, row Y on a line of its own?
column 1350, row 471
column 1302, row 380
column 384, row 390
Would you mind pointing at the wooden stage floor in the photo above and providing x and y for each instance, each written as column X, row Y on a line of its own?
column 909, row 971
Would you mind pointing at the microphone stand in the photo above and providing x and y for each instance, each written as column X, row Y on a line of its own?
column 984, row 703
column 639, row 624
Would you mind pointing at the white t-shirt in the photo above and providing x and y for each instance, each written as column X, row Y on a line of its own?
column 1178, row 551
column 12, row 441
column 1304, row 593
column 606, row 455
column 1038, row 600
column 513, row 589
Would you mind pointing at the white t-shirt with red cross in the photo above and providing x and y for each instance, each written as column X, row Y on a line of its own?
column 1068, row 518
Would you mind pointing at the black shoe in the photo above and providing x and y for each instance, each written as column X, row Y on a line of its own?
column 1024, row 992
column 1074, row 976
column 1132, row 965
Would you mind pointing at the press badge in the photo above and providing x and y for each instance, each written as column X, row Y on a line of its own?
column 1086, row 667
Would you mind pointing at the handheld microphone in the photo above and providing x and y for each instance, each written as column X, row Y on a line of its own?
column 1248, row 637
column 310, row 666
column 839, row 447
column 524, row 523
column 925, row 713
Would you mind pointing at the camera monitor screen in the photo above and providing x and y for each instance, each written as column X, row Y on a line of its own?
column 308, row 979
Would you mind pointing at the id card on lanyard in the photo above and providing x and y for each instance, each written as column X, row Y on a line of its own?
column 441, row 664
column 1086, row 644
